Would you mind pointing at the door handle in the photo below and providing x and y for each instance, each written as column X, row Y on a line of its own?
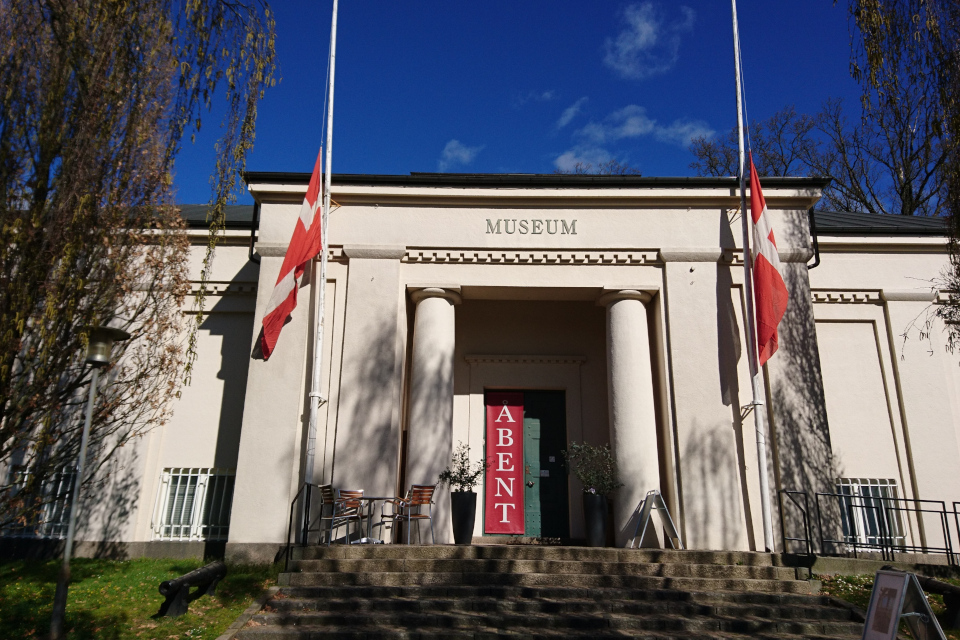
column 530, row 483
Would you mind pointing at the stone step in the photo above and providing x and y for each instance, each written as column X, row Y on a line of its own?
column 306, row 579
column 576, row 621
column 450, row 565
column 531, row 552
column 528, row 591
column 397, row 633
column 807, row 611
column 369, row 592
column 504, row 592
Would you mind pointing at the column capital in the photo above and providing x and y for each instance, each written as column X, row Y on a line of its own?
column 613, row 295
column 421, row 292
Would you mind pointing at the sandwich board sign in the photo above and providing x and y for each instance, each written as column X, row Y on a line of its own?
column 897, row 596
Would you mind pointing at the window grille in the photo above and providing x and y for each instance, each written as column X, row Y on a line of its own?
column 868, row 512
column 52, row 518
column 193, row 504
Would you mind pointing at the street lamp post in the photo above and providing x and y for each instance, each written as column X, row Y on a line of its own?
column 99, row 346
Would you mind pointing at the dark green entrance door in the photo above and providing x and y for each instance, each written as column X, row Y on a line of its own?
column 547, row 510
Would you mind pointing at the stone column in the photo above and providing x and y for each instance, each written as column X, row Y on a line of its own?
column 633, row 426
column 430, row 413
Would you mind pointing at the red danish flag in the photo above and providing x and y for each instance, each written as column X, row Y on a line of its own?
column 305, row 244
column 769, row 291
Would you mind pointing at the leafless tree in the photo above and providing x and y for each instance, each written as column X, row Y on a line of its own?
column 888, row 161
column 609, row 168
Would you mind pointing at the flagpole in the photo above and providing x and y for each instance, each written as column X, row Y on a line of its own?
column 757, row 403
column 316, row 398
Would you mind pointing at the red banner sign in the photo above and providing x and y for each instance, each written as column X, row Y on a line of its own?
column 503, row 494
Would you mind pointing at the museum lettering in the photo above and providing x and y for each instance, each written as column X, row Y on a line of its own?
column 533, row 226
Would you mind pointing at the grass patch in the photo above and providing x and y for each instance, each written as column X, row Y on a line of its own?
column 857, row 589
column 114, row 600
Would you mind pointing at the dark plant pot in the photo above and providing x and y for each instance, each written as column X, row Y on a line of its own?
column 595, row 519
column 463, row 512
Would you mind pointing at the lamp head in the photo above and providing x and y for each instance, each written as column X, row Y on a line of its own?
column 100, row 344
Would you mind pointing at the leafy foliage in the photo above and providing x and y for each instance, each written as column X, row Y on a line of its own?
column 917, row 42
column 461, row 475
column 595, row 467
column 97, row 95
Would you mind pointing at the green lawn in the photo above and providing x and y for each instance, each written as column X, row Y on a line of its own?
column 856, row 589
column 114, row 600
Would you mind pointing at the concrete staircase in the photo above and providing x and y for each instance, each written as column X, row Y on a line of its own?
column 396, row 591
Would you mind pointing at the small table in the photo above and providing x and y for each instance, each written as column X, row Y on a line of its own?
column 371, row 501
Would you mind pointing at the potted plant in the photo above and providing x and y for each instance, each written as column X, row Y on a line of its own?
column 596, row 469
column 462, row 478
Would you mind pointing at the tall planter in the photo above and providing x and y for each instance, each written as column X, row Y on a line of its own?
column 463, row 513
column 595, row 519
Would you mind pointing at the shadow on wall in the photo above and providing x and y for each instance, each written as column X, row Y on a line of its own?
column 367, row 439
column 710, row 474
column 730, row 352
column 236, row 331
column 108, row 505
column 800, row 430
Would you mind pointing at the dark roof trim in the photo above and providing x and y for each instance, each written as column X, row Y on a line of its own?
column 841, row 223
column 526, row 180
column 238, row 216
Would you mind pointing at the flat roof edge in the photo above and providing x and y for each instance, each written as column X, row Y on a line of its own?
column 526, row 180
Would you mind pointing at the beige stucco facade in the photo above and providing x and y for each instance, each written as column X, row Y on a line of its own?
column 626, row 294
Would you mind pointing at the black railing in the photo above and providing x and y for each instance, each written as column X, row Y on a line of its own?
column 302, row 502
column 804, row 509
column 869, row 523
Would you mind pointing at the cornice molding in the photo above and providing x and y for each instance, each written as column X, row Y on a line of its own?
column 839, row 296
column 909, row 295
column 226, row 288
column 530, row 256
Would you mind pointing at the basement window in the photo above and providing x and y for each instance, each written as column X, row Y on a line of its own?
column 869, row 512
column 193, row 504
column 51, row 517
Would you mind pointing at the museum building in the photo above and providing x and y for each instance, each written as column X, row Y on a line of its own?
column 609, row 309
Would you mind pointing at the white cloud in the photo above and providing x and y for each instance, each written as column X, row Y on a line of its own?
column 455, row 153
column 682, row 132
column 533, row 96
column 570, row 113
column 632, row 121
column 582, row 155
column 647, row 46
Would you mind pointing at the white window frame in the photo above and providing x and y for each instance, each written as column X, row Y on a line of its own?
column 864, row 518
column 182, row 515
column 54, row 516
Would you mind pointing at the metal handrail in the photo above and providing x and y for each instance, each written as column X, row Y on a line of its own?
column 883, row 507
column 306, row 518
column 803, row 512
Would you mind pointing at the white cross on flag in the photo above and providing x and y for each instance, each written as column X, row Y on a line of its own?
column 769, row 291
column 304, row 245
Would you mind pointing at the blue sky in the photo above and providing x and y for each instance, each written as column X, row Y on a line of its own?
column 529, row 86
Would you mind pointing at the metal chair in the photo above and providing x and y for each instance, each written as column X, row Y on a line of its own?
column 349, row 508
column 411, row 508
column 324, row 521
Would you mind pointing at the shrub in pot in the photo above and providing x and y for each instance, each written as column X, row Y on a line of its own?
column 462, row 476
column 596, row 468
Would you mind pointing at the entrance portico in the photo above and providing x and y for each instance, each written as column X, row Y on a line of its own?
column 442, row 292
